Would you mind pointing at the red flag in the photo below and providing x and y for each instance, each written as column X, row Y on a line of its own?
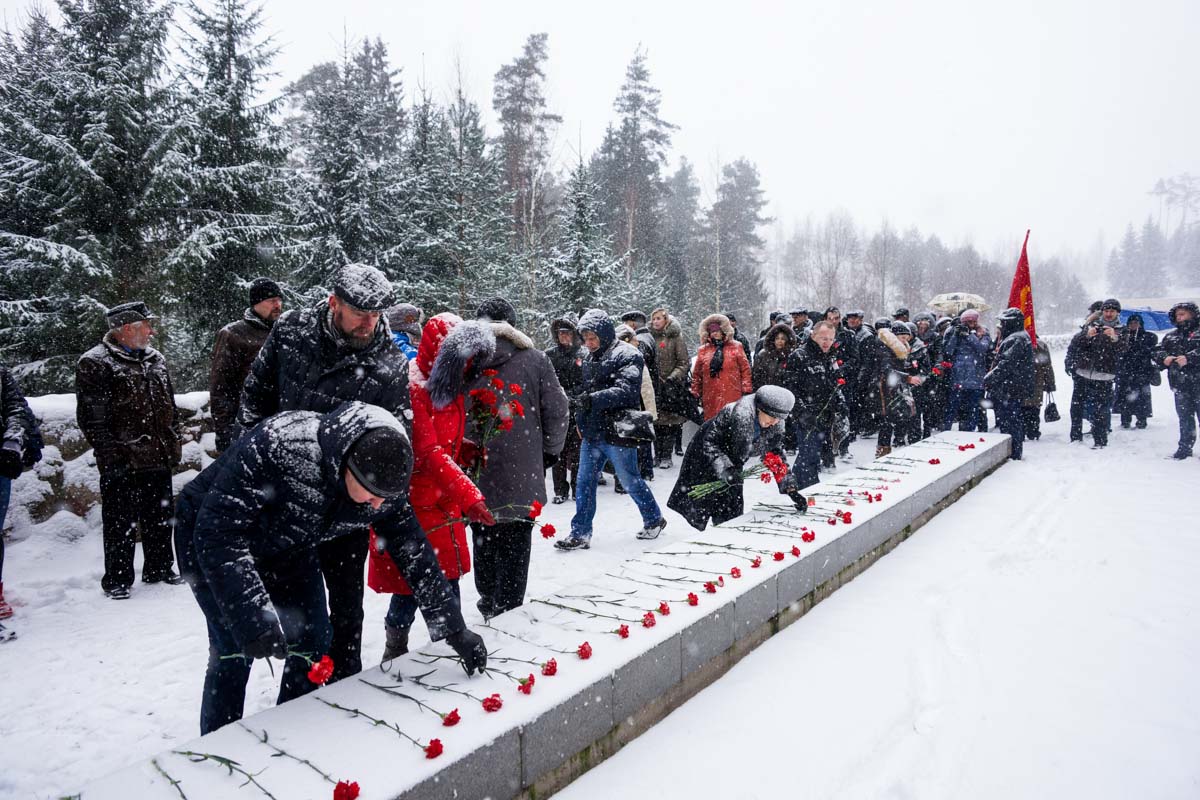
column 1021, row 294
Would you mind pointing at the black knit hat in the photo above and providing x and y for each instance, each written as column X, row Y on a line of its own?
column 774, row 401
column 381, row 460
column 263, row 289
column 497, row 309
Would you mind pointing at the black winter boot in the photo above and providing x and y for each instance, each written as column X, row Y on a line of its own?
column 396, row 644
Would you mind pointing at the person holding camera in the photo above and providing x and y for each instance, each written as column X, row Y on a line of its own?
column 1179, row 355
column 966, row 347
column 1091, row 362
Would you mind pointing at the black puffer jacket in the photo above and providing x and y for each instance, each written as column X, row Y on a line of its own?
column 612, row 379
column 1011, row 377
column 567, row 361
column 303, row 367
column 125, row 406
column 280, row 489
column 18, row 426
column 722, row 447
column 813, row 378
column 770, row 367
column 1135, row 367
column 1183, row 341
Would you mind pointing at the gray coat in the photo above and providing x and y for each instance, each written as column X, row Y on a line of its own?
column 515, row 473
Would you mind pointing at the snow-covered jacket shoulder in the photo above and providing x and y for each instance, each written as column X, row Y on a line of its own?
column 302, row 368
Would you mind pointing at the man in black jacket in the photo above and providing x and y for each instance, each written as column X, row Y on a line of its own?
column 820, row 410
column 315, row 359
column 567, row 357
column 249, row 527
column 233, row 352
column 1091, row 361
column 1010, row 380
column 125, row 406
column 1179, row 355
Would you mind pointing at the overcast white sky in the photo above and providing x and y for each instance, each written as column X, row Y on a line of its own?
column 967, row 119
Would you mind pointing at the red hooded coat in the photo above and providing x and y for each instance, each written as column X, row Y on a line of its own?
column 440, row 491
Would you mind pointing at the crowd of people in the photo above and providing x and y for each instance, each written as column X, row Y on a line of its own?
column 359, row 441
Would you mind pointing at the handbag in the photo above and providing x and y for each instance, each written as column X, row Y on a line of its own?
column 631, row 424
column 1052, row 414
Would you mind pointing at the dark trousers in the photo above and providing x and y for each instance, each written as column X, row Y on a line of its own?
column 566, row 469
column 501, row 565
column 1091, row 400
column 1187, row 406
column 402, row 610
column 645, row 460
column 5, row 492
column 1033, row 421
column 666, row 438
column 806, row 468
column 1133, row 401
column 298, row 594
column 130, row 498
column 932, row 411
column 963, row 400
column 343, row 561
column 1010, row 419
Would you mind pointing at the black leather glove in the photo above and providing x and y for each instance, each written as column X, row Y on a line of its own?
column 548, row 460
column 269, row 645
column 10, row 463
column 470, row 649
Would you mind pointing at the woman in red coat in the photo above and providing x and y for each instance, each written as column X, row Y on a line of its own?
column 450, row 356
column 721, row 374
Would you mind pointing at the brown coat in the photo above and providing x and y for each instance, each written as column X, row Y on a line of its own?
column 732, row 382
column 125, row 406
column 233, row 352
column 671, row 355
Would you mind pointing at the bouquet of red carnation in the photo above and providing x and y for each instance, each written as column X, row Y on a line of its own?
column 772, row 466
column 493, row 410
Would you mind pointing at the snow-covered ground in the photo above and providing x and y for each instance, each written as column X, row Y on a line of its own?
column 1035, row 639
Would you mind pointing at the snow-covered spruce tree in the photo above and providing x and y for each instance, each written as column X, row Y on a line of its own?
column 734, row 222
column 455, row 217
column 238, row 181
column 628, row 169
column 682, row 231
column 94, row 171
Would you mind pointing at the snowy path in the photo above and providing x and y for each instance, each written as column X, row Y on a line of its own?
column 1037, row 639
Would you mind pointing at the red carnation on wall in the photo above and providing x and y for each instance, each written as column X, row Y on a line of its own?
column 434, row 748
column 584, row 651
column 664, row 609
column 525, row 685
column 795, row 551
column 648, row 620
column 550, row 668
column 735, row 573
column 492, row 703
column 451, row 719
column 693, row 600
column 778, row 556
column 623, row 631
column 808, row 537
column 757, row 562
column 710, row 587
column 345, row 790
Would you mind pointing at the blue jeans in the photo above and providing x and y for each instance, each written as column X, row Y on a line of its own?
column 297, row 591
column 5, row 490
column 959, row 399
column 402, row 610
column 592, row 455
column 1011, row 420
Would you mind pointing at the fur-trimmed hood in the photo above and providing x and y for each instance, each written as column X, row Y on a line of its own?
column 899, row 348
column 565, row 322
column 773, row 331
column 460, row 351
column 722, row 320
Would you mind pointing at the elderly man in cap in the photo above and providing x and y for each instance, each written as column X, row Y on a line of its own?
column 801, row 324
column 233, row 352
column 125, row 406
column 316, row 358
column 900, row 314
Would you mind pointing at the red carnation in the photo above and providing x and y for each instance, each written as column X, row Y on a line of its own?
column 321, row 671
column 841, row 381
column 485, row 396
column 664, row 609
column 434, row 748
column 515, row 389
column 846, row 518
column 879, row 498
column 623, row 631
column 795, row 551
column 935, row 461
column 936, row 371
column 525, row 685
column 584, row 651
column 547, row 531
column 812, row 501
column 735, row 573
column 720, row 580
column 947, row 364
column 757, row 562
column 345, row 790
column 982, row 439
column 489, row 373
column 765, row 477
column 516, row 408
column 831, row 521
column 663, row 343
column 778, row 556
column 550, row 668
column 839, row 362
column 692, row 599
column 535, row 509
column 451, row 719
column 962, row 448
column 492, row 703
column 648, row 620
column 505, row 424
column 710, row 587
column 498, row 384
column 808, row 537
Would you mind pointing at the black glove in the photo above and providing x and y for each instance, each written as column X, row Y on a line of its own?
column 800, row 500
column 269, row 645
column 548, row 460
column 10, row 463
column 470, row 649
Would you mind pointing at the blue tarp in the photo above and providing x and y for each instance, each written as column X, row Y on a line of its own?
column 1152, row 319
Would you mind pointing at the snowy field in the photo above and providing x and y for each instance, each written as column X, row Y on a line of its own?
column 1037, row 639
